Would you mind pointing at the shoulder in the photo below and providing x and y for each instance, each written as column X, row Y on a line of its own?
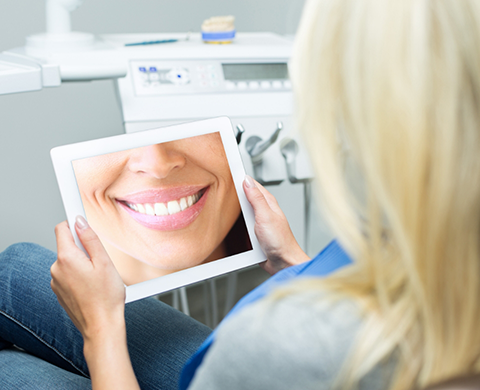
column 298, row 341
column 298, row 322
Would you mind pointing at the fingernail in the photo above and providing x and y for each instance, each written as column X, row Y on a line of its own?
column 81, row 222
column 249, row 182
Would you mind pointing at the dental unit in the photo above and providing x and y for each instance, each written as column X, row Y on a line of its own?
column 185, row 80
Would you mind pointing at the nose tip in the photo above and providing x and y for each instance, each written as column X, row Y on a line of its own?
column 157, row 161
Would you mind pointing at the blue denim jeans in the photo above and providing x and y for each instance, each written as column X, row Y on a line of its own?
column 160, row 338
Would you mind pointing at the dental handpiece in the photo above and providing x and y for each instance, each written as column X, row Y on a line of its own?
column 255, row 146
column 240, row 131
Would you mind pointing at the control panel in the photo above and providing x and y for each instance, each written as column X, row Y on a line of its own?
column 154, row 77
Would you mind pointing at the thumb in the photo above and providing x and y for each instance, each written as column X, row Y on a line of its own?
column 255, row 196
column 89, row 239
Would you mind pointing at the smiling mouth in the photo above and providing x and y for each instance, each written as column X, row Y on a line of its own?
column 169, row 208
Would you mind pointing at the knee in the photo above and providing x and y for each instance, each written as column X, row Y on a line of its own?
column 22, row 250
column 25, row 277
column 26, row 254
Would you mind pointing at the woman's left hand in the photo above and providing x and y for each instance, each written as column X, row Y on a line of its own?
column 89, row 289
column 272, row 229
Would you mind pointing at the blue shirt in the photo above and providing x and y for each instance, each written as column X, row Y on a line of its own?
column 329, row 260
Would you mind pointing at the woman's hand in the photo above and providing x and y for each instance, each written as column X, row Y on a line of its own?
column 272, row 229
column 89, row 289
column 93, row 294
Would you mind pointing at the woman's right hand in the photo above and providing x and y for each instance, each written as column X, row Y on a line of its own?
column 93, row 294
column 272, row 229
column 89, row 289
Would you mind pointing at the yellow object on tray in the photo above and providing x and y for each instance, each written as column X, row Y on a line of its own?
column 219, row 29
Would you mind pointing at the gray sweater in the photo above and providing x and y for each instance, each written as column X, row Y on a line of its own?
column 299, row 342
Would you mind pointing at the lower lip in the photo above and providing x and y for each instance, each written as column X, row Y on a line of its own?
column 169, row 222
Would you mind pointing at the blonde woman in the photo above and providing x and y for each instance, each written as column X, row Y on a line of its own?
column 388, row 95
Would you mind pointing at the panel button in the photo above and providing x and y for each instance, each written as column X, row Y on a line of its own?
column 254, row 85
column 214, row 83
column 265, row 85
column 230, row 85
column 242, row 85
column 154, row 76
column 277, row 84
column 287, row 84
column 178, row 76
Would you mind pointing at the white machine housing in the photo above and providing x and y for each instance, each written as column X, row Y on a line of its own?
column 189, row 80
column 246, row 80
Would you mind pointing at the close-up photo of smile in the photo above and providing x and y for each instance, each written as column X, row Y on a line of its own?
column 164, row 207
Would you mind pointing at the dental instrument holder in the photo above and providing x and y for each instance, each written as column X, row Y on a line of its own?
column 59, row 36
column 66, row 55
column 289, row 149
column 238, row 135
column 255, row 147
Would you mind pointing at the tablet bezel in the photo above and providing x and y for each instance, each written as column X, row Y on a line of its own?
column 63, row 156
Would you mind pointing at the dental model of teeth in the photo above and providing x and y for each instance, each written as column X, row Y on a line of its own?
column 218, row 29
column 169, row 208
column 219, row 23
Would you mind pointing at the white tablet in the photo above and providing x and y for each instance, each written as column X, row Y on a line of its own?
column 167, row 204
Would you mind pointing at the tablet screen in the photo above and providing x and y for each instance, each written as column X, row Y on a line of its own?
column 167, row 203
column 164, row 207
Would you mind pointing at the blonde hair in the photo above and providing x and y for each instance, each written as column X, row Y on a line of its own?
column 395, row 84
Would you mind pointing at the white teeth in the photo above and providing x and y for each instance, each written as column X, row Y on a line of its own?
column 172, row 207
column 141, row 208
column 161, row 209
column 149, row 209
column 183, row 203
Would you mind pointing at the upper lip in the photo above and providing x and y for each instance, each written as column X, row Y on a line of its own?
column 160, row 195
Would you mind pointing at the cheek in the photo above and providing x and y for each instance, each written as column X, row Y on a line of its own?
column 94, row 182
column 225, row 181
column 92, row 190
column 230, row 204
column 217, row 164
column 233, row 204
column 96, row 174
